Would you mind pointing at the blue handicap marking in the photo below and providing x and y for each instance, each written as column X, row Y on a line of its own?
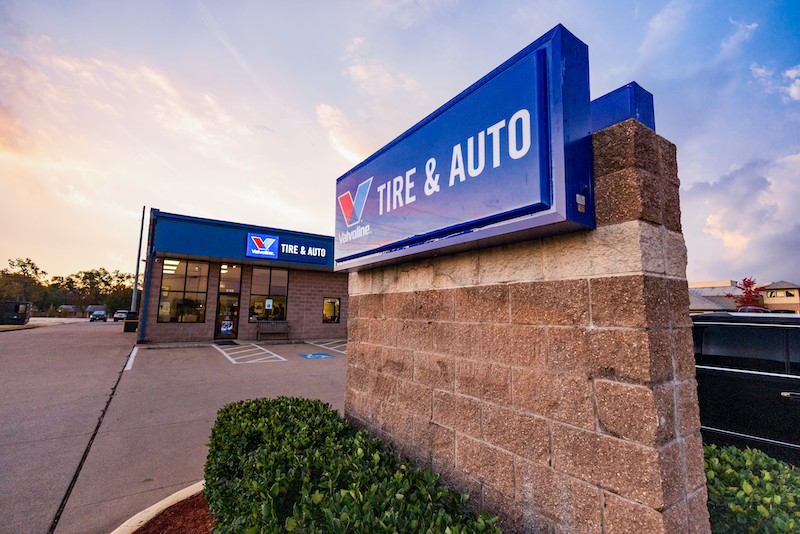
column 317, row 356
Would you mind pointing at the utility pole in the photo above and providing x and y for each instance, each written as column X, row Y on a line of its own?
column 138, row 261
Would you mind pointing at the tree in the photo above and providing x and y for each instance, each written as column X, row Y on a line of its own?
column 21, row 281
column 751, row 293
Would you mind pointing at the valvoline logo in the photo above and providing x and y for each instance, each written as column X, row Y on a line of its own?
column 353, row 209
column 262, row 246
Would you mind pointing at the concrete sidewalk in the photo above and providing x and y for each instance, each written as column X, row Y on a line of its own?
column 153, row 440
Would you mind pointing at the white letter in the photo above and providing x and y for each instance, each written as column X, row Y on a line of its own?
column 494, row 131
column 525, row 116
column 475, row 171
column 457, row 165
column 409, row 184
column 380, row 202
column 397, row 194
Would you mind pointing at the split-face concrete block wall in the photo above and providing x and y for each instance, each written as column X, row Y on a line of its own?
column 552, row 380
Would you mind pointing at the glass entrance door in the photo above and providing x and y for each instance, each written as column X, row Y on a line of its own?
column 227, row 316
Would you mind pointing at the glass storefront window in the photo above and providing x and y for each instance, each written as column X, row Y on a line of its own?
column 229, row 278
column 330, row 310
column 184, row 286
column 268, row 292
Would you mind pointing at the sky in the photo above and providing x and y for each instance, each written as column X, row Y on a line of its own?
column 248, row 111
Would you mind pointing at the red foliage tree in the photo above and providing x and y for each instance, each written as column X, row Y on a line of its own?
column 751, row 293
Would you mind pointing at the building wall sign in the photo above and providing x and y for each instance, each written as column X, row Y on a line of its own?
column 510, row 153
column 262, row 246
column 193, row 236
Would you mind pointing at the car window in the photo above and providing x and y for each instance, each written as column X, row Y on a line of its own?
column 751, row 348
column 793, row 339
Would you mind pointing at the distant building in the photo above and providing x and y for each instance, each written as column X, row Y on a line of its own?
column 782, row 296
column 67, row 310
column 711, row 296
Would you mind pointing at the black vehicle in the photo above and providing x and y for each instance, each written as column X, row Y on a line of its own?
column 98, row 316
column 748, row 381
column 15, row 312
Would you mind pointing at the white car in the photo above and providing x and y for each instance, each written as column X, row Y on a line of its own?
column 120, row 315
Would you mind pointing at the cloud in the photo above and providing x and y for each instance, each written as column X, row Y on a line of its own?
column 788, row 84
column 390, row 98
column 738, row 204
column 341, row 136
column 354, row 44
column 13, row 137
column 793, row 90
column 730, row 46
column 752, row 213
column 664, row 28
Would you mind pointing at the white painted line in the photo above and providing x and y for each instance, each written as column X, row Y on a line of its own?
column 252, row 350
column 326, row 345
column 131, row 358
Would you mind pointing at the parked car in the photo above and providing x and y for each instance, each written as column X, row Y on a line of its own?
column 748, row 381
column 98, row 316
column 120, row 315
column 753, row 309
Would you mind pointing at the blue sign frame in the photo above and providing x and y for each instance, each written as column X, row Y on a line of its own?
column 507, row 159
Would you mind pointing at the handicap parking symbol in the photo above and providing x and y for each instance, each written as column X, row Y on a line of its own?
column 317, row 356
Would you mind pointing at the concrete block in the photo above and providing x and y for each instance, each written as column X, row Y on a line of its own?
column 626, row 145
column 622, row 516
column 514, row 344
column 485, row 463
column 438, row 305
column 525, row 435
column 457, row 412
column 560, row 302
column 400, row 305
column 572, row 503
column 487, row 381
column 434, row 370
column 462, row 340
column 627, row 469
column 636, row 413
column 638, row 355
column 458, row 270
column 560, row 397
column 519, row 262
column 630, row 301
column 482, row 304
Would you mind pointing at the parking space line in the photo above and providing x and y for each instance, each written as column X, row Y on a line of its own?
column 334, row 344
column 242, row 352
column 131, row 358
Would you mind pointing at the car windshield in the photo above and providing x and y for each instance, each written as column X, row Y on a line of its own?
column 99, row 313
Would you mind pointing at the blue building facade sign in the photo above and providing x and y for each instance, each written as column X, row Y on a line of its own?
column 193, row 236
column 509, row 154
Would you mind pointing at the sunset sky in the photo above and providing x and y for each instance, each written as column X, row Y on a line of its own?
column 248, row 111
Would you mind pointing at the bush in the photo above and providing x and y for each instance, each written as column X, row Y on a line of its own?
column 293, row 465
column 750, row 492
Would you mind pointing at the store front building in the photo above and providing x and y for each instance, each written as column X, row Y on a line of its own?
column 212, row 280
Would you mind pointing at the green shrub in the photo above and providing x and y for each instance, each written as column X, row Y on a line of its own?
column 750, row 492
column 293, row 465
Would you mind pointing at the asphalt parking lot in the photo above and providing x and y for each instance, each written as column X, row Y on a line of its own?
column 152, row 441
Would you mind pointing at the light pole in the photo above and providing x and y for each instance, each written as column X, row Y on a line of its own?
column 138, row 258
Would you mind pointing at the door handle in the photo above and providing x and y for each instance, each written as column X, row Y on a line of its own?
column 791, row 395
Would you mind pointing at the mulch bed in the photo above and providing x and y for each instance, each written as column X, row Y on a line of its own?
column 189, row 516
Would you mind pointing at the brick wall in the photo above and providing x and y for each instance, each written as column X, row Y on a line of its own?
column 306, row 292
column 552, row 380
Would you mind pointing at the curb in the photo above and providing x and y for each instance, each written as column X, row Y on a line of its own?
column 137, row 521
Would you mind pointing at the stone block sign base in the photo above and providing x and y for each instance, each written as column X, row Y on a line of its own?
column 552, row 380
